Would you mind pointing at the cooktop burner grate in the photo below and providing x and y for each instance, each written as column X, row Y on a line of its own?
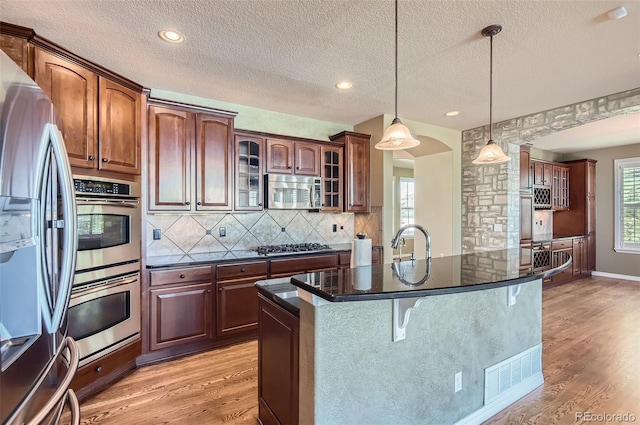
column 286, row 248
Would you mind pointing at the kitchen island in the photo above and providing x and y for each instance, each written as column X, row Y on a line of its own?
column 392, row 343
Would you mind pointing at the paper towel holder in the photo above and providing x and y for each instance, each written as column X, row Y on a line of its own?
column 361, row 235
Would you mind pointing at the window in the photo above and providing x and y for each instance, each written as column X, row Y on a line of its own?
column 627, row 199
column 406, row 203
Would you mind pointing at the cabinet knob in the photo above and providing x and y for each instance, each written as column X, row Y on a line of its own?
column 242, row 269
column 98, row 369
column 297, row 168
column 181, row 276
column 289, row 167
column 91, row 157
column 260, row 204
column 105, row 159
column 208, row 291
column 220, row 289
column 187, row 203
column 199, row 203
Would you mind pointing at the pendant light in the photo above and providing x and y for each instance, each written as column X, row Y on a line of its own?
column 491, row 153
column 397, row 136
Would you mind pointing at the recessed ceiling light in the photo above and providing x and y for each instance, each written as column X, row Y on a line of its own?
column 617, row 13
column 171, row 36
column 343, row 85
column 451, row 113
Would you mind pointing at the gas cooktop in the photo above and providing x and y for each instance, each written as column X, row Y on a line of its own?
column 291, row 248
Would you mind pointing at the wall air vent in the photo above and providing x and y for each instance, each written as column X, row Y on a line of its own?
column 511, row 372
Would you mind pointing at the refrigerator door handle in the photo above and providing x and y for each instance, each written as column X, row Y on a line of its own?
column 70, row 228
column 63, row 390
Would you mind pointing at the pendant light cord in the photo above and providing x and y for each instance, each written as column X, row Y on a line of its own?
column 491, row 88
column 396, row 59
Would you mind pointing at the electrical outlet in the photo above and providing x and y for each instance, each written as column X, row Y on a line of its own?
column 457, row 386
column 223, row 232
column 497, row 227
column 157, row 234
column 335, row 227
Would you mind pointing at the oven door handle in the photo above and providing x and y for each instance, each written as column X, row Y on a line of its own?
column 110, row 202
column 102, row 285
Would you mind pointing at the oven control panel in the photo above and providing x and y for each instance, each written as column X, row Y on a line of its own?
column 84, row 186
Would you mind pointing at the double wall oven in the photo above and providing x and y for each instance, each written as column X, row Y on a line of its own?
column 104, row 311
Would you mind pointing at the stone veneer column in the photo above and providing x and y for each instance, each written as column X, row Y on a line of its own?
column 490, row 194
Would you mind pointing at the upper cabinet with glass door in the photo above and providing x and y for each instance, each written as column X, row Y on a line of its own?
column 249, row 171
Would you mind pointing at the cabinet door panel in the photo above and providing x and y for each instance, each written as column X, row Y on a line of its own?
column 307, row 159
column 237, row 306
column 19, row 50
column 332, row 178
column 170, row 135
column 214, row 162
column 526, row 217
column 180, row 315
column 357, row 174
column 119, row 128
column 249, row 152
column 279, row 156
column 73, row 91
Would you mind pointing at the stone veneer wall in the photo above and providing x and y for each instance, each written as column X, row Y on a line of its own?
column 196, row 237
column 490, row 194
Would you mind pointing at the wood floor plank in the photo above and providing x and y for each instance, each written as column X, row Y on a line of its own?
column 591, row 362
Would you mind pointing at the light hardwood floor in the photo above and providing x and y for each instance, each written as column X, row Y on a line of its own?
column 591, row 363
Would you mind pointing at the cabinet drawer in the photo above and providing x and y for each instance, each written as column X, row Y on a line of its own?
column 344, row 259
column 241, row 270
column 303, row 264
column 191, row 274
column 556, row 245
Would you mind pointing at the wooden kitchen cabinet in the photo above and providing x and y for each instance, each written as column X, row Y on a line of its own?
column 542, row 173
column 190, row 167
column 526, row 218
column 580, row 218
column 237, row 297
column 100, row 119
column 19, row 50
column 285, row 267
column 278, row 368
column 249, row 163
column 526, row 169
column 332, row 178
column 560, row 188
column 356, row 182
column 292, row 157
column 180, row 315
column 74, row 93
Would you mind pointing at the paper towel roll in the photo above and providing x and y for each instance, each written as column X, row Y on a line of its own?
column 361, row 253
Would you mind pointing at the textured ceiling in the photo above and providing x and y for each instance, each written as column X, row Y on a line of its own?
column 286, row 56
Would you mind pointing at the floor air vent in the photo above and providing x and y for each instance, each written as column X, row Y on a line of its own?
column 507, row 374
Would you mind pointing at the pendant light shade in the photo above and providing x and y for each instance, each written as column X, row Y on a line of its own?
column 397, row 136
column 491, row 153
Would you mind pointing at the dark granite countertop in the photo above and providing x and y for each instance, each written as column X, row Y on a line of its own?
column 419, row 278
column 282, row 292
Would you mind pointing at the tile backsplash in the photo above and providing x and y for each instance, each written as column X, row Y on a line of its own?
column 190, row 237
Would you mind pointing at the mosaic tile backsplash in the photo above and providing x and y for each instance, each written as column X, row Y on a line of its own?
column 186, row 238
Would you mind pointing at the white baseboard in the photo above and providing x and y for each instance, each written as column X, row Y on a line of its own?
column 616, row 276
column 503, row 401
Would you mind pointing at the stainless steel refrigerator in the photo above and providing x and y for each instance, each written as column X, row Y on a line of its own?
column 37, row 256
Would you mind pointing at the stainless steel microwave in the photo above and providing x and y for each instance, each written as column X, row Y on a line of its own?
column 290, row 192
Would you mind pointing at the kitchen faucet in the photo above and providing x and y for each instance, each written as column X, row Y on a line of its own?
column 396, row 239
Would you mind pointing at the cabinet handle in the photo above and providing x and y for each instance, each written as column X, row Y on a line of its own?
column 105, row 159
column 199, row 203
column 181, row 276
column 187, row 203
column 91, row 157
column 99, row 369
